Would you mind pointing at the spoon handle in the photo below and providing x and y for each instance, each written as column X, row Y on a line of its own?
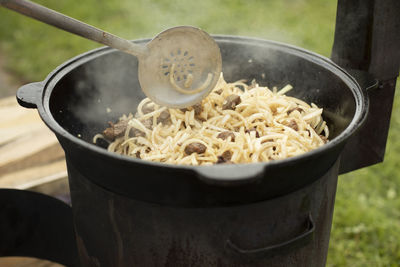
column 72, row 25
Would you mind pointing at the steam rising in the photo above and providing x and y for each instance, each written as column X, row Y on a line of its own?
column 108, row 86
column 104, row 89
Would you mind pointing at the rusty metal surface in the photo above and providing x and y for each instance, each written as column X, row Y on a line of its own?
column 113, row 230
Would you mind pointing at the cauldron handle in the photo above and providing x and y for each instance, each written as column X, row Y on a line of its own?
column 36, row 225
column 256, row 253
column 29, row 94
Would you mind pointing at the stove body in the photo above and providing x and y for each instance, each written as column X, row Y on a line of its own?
column 292, row 230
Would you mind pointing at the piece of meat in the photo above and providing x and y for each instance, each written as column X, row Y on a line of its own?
column 231, row 102
column 293, row 124
column 115, row 130
column 226, row 134
column 148, row 123
column 251, row 130
column 195, row 147
column 219, row 91
column 225, row 157
column 164, row 117
column 120, row 127
column 196, row 107
column 109, row 133
column 136, row 133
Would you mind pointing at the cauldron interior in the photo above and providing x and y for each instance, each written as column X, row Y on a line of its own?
column 106, row 87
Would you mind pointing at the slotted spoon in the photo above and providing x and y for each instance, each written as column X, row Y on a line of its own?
column 177, row 68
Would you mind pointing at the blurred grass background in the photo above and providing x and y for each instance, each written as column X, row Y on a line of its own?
column 366, row 227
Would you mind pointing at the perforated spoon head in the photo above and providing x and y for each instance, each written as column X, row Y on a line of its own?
column 182, row 65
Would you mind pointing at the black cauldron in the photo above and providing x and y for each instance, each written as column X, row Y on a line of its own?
column 129, row 212
column 75, row 99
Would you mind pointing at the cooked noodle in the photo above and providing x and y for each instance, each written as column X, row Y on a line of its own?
column 263, row 125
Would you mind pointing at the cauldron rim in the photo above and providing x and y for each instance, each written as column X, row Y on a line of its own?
column 360, row 99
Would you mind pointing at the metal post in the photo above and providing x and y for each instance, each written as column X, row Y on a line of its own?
column 367, row 38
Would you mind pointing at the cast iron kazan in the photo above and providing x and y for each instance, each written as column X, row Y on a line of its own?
column 130, row 212
column 74, row 101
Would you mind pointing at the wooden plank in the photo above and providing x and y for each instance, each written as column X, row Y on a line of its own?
column 34, row 148
column 15, row 120
column 9, row 110
column 29, row 151
column 30, row 177
column 26, row 262
column 9, row 134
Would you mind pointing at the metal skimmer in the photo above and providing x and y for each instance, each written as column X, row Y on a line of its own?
column 178, row 68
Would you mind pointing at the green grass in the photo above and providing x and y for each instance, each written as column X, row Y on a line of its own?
column 366, row 228
column 366, row 225
column 34, row 49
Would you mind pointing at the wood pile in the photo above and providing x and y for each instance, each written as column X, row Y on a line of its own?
column 29, row 152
